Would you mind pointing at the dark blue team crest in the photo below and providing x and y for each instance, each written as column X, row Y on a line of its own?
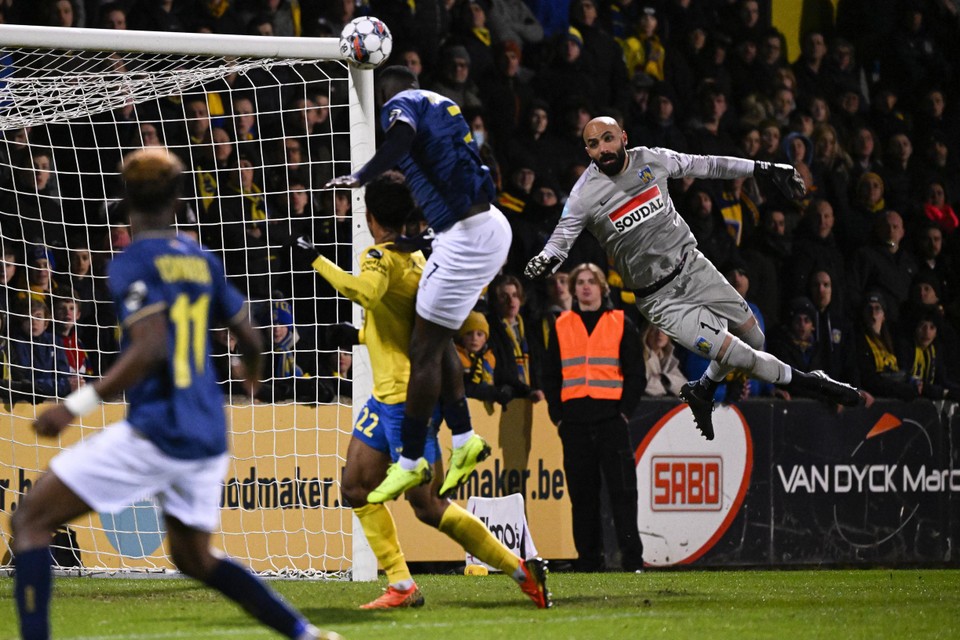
column 646, row 175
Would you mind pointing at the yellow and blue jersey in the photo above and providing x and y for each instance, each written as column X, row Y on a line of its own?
column 180, row 407
column 443, row 169
column 386, row 288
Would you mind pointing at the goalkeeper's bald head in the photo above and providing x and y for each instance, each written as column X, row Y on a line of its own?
column 152, row 178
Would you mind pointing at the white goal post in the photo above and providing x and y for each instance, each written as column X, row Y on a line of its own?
column 261, row 123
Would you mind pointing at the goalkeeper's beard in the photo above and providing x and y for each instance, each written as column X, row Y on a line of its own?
column 612, row 164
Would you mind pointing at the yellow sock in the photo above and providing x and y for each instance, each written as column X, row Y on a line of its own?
column 381, row 533
column 476, row 539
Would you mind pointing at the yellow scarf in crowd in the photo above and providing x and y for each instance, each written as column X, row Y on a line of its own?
column 521, row 353
column 924, row 360
column 883, row 359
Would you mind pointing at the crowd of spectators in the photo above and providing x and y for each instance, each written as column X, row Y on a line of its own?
column 858, row 279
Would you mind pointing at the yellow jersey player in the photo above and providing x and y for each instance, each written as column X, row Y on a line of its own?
column 386, row 288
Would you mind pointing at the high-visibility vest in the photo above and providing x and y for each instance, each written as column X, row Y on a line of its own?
column 590, row 363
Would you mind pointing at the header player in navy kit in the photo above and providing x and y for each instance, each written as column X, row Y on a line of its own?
column 168, row 291
column 427, row 138
column 622, row 199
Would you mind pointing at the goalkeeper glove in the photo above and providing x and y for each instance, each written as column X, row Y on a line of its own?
column 783, row 176
column 342, row 336
column 541, row 265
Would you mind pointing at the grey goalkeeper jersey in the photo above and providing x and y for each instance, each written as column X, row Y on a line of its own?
column 632, row 215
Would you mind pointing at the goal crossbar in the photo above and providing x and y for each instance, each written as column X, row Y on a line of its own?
column 173, row 43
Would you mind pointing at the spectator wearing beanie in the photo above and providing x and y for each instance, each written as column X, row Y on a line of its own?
column 479, row 362
column 456, row 78
column 795, row 343
column 880, row 372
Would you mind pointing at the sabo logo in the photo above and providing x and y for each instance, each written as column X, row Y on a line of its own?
column 691, row 489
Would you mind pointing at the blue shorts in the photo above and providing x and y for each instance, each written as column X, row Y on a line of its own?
column 378, row 426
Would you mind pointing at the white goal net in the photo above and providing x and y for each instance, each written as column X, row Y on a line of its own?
column 261, row 124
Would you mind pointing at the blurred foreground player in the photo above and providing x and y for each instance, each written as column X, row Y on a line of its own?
column 168, row 293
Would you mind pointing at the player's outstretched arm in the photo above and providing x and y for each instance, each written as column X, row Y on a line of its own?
column 365, row 289
column 396, row 144
column 251, row 352
column 147, row 351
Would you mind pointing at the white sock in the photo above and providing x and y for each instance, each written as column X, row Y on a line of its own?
column 403, row 585
column 716, row 371
column 519, row 575
column 460, row 439
column 757, row 364
column 408, row 464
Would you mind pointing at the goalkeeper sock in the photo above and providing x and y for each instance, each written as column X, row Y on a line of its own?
column 471, row 534
column 261, row 602
column 413, row 435
column 712, row 377
column 32, row 592
column 457, row 416
column 381, row 532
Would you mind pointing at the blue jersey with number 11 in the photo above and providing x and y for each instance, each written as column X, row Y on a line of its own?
column 178, row 407
column 443, row 169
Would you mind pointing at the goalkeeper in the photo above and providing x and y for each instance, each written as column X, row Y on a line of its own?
column 622, row 199
column 386, row 288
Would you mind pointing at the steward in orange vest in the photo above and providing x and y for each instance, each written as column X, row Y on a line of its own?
column 590, row 363
column 593, row 378
column 594, row 366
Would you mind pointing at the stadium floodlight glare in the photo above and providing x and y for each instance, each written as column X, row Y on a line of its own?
column 287, row 111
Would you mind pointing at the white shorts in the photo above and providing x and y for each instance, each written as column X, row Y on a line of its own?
column 117, row 467
column 465, row 258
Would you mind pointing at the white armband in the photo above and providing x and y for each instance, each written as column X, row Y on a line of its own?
column 82, row 401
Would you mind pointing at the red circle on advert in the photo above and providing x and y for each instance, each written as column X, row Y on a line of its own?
column 678, row 525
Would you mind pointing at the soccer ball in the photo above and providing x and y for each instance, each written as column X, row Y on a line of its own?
column 366, row 42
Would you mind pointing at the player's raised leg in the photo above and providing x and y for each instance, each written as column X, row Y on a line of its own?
column 469, row 448
column 736, row 353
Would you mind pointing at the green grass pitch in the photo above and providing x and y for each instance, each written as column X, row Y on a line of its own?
column 705, row 605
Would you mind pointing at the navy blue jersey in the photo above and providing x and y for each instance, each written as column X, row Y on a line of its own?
column 443, row 168
column 180, row 407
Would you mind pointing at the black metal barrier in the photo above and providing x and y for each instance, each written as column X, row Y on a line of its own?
column 799, row 483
